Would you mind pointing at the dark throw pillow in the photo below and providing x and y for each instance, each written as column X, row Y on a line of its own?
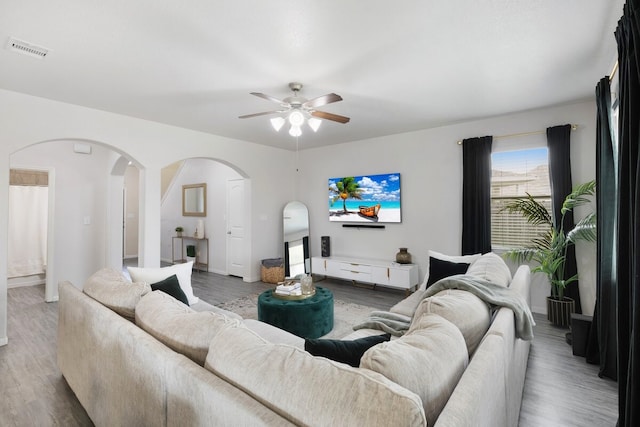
column 439, row 269
column 349, row 352
column 171, row 286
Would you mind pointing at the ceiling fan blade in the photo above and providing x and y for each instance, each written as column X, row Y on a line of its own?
column 268, row 98
column 247, row 116
column 330, row 116
column 322, row 100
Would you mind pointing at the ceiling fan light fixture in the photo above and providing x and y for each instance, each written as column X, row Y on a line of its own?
column 295, row 131
column 314, row 123
column 277, row 123
column 298, row 110
column 296, row 118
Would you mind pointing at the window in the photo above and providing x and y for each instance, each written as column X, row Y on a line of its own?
column 513, row 175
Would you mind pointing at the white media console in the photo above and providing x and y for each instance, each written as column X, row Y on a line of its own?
column 376, row 272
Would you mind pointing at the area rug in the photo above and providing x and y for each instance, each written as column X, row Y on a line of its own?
column 345, row 314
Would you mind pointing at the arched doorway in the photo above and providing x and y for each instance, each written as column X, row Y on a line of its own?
column 82, row 178
column 216, row 174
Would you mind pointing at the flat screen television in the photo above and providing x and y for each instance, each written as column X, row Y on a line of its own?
column 366, row 198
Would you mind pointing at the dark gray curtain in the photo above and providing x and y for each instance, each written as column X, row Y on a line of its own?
column 627, row 266
column 602, row 344
column 558, row 142
column 476, row 195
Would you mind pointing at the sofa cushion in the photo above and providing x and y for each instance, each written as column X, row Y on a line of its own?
column 428, row 360
column 408, row 306
column 492, row 268
column 202, row 305
column 451, row 258
column 439, row 269
column 153, row 275
column 309, row 390
column 273, row 334
column 469, row 313
column 171, row 286
column 110, row 288
column 179, row 327
column 345, row 351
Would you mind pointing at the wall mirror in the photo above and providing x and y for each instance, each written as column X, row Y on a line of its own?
column 194, row 200
column 297, row 260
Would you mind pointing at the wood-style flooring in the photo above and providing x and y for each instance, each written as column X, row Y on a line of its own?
column 560, row 389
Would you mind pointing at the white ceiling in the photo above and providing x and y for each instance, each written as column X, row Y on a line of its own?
column 399, row 66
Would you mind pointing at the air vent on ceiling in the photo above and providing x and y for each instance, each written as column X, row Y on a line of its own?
column 26, row 48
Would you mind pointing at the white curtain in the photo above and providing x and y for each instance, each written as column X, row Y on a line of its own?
column 27, row 230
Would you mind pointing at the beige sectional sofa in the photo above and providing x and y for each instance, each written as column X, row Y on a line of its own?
column 136, row 357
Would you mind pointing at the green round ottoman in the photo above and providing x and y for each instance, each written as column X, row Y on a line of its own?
column 307, row 318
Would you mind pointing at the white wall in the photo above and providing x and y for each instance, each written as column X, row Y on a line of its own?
column 80, row 187
column 131, row 211
column 215, row 175
column 430, row 164
column 27, row 120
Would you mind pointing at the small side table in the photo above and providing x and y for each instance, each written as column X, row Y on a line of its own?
column 202, row 262
column 307, row 318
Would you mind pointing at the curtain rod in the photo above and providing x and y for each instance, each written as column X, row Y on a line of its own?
column 513, row 135
column 614, row 70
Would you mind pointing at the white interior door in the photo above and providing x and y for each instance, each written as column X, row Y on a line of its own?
column 235, row 227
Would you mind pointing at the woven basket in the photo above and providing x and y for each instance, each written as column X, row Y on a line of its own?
column 272, row 274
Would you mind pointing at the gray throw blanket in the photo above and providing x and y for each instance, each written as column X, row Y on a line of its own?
column 488, row 292
column 391, row 323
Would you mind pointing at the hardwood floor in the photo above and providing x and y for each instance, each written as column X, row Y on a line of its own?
column 560, row 389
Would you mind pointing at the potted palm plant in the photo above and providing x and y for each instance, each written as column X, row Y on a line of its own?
column 179, row 231
column 549, row 250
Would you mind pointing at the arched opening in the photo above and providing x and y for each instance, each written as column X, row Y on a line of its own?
column 83, row 175
column 223, row 238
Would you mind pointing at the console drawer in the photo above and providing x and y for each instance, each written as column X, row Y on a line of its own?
column 355, row 268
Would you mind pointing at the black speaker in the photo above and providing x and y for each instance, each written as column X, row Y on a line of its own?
column 325, row 246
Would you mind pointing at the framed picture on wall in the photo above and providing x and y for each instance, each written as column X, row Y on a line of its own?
column 365, row 198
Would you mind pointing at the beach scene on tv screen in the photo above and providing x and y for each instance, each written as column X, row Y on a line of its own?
column 367, row 198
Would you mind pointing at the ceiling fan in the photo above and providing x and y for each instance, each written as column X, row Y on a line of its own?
column 298, row 109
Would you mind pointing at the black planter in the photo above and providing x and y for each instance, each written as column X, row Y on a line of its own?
column 559, row 311
column 191, row 251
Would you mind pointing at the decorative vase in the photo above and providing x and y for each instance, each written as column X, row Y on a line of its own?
column 306, row 285
column 559, row 311
column 403, row 257
column 178, row 233
column 199, row 234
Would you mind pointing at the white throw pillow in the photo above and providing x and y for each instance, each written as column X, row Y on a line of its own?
column 428, row 360
column 110, row 288
column 492, row 268
column 468, row 259
column 465, row 310
column 154, row 275
column 179, row 327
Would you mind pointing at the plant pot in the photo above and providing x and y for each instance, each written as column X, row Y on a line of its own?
column 191, row 251
column 559, row 311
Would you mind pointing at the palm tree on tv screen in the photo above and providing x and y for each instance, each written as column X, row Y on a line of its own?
column 346, row 188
